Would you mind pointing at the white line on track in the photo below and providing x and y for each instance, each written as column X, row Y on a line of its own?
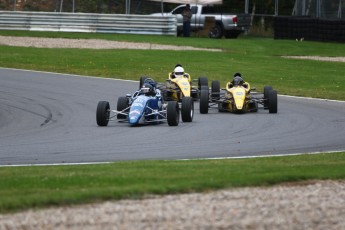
column 312, row 98
column 66, row 74
column 277, row 155
column 193, row 159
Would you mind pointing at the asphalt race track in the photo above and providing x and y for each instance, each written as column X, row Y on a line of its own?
column 49, row 118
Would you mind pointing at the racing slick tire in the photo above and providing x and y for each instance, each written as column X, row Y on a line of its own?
column 272, row 101
column 173, row 113
column 267, row 89
column 204, row 94
column 202, row 81
column 215, row 90
column 141, row 81
column 187, row 109
column 102, row 113
column 122, row 104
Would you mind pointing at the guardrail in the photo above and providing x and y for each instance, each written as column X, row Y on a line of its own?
column 88, row 22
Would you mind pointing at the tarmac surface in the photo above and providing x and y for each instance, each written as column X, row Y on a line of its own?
column 48, row 118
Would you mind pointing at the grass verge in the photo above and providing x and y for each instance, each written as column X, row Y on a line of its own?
column 258, row 59
column 42, row 186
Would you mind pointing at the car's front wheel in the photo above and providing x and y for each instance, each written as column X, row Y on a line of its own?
column 173, row 113
column 187, row 109
column 102, row 113
column 267, row 89
column 272, row 101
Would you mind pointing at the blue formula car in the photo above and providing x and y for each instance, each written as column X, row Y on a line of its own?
column 145, row 106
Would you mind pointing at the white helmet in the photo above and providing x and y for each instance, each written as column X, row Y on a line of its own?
column 179, row 71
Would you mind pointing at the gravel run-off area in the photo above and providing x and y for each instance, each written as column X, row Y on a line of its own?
column 314, row 205
column 310, row 205
column 89, row 44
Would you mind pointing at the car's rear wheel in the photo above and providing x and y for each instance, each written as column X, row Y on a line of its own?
column 203, row 81
column 142, row 80
column 204, row 97
column 102, row 113
column 122, row 104
column 215, row 90
column 173, row 113
column 272, row 101
column 187, row 109
column 267, row 89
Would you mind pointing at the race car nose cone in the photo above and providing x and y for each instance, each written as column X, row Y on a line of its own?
column 133, row 119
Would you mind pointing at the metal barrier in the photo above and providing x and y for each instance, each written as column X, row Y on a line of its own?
column 87, row 22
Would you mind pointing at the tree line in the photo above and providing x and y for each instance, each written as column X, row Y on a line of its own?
column 137, row 6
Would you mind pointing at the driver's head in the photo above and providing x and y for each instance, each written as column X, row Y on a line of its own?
column 237, row 80
column 147, row 89
column 179, row 71
column 151, row 82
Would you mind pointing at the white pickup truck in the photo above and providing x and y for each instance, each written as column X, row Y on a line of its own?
column 229, row 25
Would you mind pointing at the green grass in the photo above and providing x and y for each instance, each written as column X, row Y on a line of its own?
column 42, row 186
column 259, row 59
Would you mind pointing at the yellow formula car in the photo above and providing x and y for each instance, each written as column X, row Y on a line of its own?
column 237, row 97
column 178, row 87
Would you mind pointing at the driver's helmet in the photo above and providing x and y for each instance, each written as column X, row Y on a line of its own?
column 178, row 71
column 147, row 89
column 237, row 80
column 151, row 82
